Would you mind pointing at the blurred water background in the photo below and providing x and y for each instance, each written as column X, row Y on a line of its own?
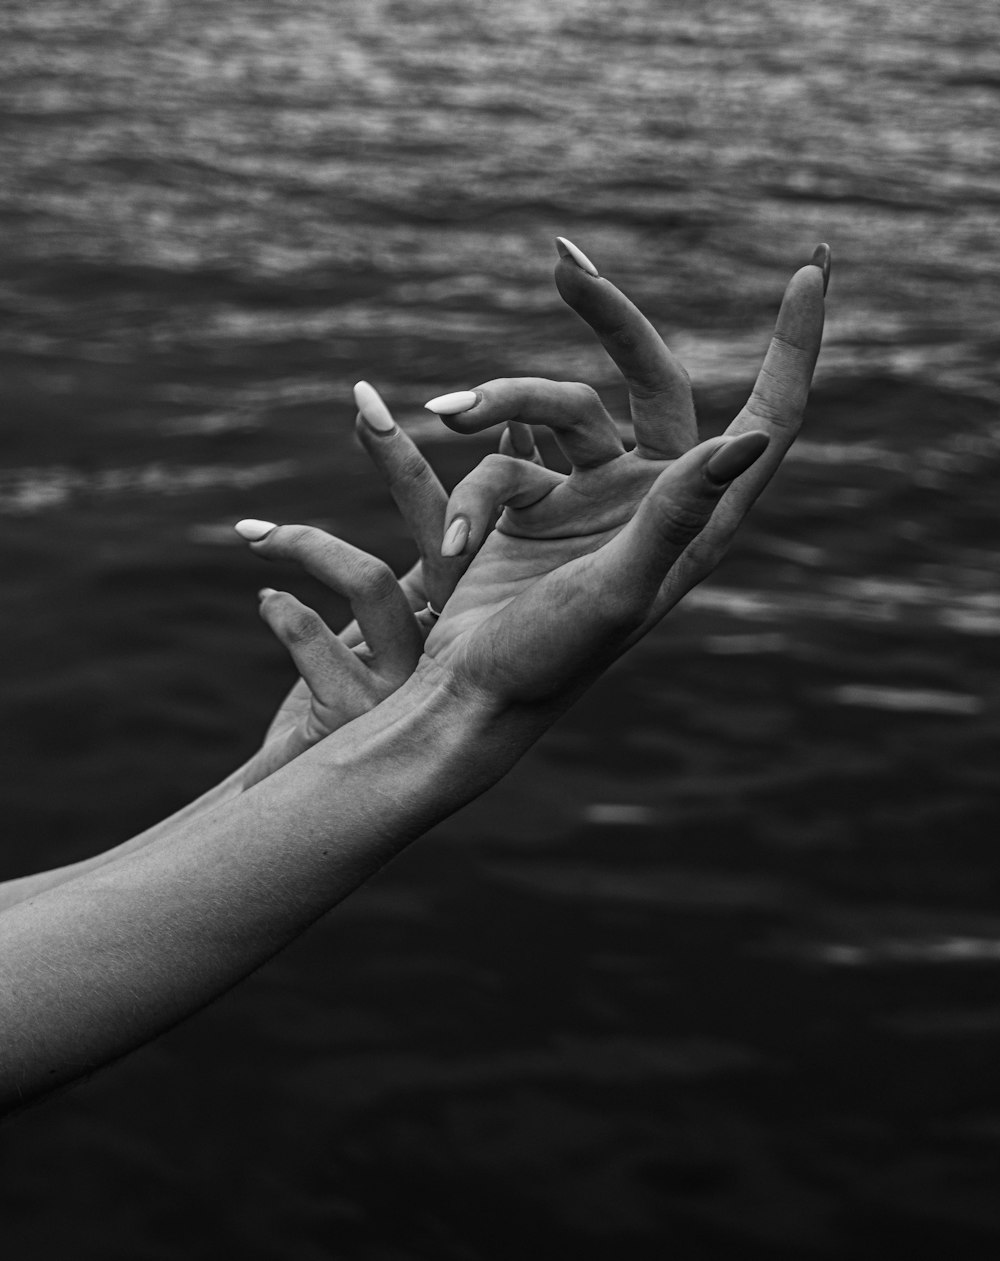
column 714, row 972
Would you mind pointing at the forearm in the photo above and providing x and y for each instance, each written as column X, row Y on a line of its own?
column 279, row 747
column 289, row 733
column 17, row 890
column 98, row 965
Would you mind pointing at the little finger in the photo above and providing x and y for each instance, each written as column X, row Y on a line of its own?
column 334, row 674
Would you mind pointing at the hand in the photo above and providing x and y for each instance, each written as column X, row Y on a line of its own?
column 581, row 565
column 336, row 683
column 421, row 498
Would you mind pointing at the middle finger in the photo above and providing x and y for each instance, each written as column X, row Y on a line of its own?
column 659, row 390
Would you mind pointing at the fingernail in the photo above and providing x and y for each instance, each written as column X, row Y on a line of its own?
column 373, row 411
column 823, row 258
column 456, row 537
column 451, row 404
column 736, row 456
column 521, row 439
column 253, row 531
column 264, row 592
column 568, row 250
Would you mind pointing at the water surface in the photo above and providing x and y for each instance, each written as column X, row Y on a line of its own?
column 715, row 968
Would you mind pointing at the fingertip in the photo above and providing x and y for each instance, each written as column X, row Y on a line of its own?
column 735, row 456
column 372, row 408
column 823, row 259
column 802, row 312
column 254, row 531
column 448, row 405
column 272, row 603
column 574, row 285
column 521, row 438
column 574, row 255
column 808, row 281
column 455, row 538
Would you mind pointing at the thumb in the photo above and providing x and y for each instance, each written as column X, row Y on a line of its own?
column 677, row 508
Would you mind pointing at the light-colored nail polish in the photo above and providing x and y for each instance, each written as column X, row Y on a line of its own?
column 373, row 411
column 253, row 531
column 264, row 592
column 452, row 404
column 568, row 250
column 456, row 537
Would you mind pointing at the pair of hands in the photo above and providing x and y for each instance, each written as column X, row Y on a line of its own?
column 578, row 566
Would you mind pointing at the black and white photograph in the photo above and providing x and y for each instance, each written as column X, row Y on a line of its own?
column 500, row 654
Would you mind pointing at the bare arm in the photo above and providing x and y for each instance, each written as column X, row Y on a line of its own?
column 16, row 890
column 96, row 966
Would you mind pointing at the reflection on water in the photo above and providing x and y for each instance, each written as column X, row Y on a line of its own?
column 34, row 490
column 268, row 165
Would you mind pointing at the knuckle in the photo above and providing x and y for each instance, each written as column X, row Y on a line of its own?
column 706, row 551
column 681, row 520
column 372, row 576
column 296, row 538
column 778, row 399
column 410, row 467
column 300, row 624
column 796, row 345
column 618, row 610
column 492, row 465
column 774, row 412
column 666, row 384
column 620, row 330
column 584, row 396
column 492, row 472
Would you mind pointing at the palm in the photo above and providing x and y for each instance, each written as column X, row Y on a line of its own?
column 551, row 563
column 508, row 613
column 575, row 518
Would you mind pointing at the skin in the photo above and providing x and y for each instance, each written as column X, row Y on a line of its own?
column 98, row 963
column 338, row 686
column 566, row 551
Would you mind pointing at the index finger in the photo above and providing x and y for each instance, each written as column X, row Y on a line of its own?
column 660, row 396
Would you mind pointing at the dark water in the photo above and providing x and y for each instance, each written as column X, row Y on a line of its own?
column 714, row 973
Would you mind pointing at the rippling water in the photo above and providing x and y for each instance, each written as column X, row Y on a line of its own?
column 715, row 969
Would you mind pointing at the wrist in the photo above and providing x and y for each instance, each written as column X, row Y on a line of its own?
column 425, row 751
